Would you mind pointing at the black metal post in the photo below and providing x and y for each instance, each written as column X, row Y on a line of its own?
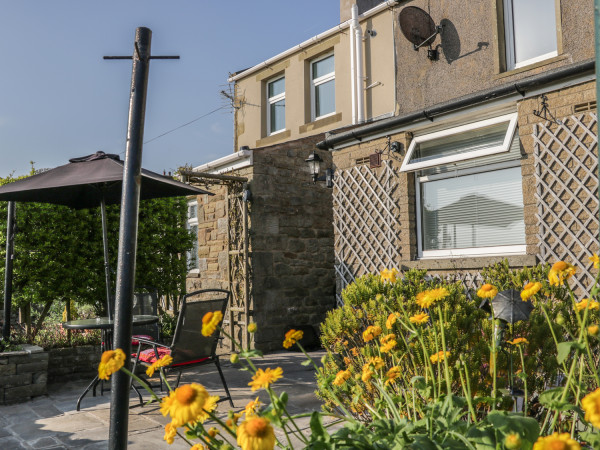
column 106, row 262
column 119, row 405
column 8, row 272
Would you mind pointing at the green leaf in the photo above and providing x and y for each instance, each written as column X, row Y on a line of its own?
column 564, row 349
column 316, row 425
column 307, row 362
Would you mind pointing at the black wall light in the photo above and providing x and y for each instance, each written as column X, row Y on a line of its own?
column 314, row 167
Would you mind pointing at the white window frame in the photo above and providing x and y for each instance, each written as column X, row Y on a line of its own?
column 505, row 250
column 509, row 41
column 318, row 81
column 407, row 166
column 270, row 101
column 193, row 222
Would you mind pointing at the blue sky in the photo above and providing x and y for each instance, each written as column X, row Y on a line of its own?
column 59, row 99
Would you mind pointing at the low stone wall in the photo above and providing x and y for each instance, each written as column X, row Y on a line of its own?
column 23, row 374
column 73, row 363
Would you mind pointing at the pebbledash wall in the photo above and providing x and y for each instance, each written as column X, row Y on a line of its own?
column 559, row 181
column 291, row 242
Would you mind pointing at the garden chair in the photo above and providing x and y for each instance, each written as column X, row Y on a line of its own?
column 145, row 302
column 190, row 348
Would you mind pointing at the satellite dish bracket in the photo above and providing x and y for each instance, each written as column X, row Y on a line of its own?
column 438, row 30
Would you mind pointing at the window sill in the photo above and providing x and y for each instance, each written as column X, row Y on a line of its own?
column 320, row 123
column 193, row 274
column 478, row 262
column 532, row 66
column 273, row 138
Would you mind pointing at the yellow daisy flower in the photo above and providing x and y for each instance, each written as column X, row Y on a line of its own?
column 560, row 272
column 291, row 337
column 419, row 319
column 371, row 332
column 252, row 407
column 367, row 373
column 391, row 320
column 593, row 330
column 512, row 441
column 341, row 377
column 426, row 298
column 376, row 362
column 518, row 341
column 256, row 433
column 188, row 403
column 252, row 327
column 587, row 303
column 595, row 259
column 170, row 433
column 210, row 321
column 111, row 361
column 162, row 362
column 388, row 342
column 392, row 374
column 264, row 378
column 487, row 291
column 232, row 420
column 555, row 441
column 439, row 356
column 591, row 406
column 389, row 275
column 530, row 289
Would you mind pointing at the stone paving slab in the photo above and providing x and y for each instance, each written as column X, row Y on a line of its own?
column 52, row 422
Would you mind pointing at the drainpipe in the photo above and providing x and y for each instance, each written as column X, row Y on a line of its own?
column 360, row 99
column 353, row 23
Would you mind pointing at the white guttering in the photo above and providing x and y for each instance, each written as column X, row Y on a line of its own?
column 353, row 23
column 237, row 160
column 313, row 40
column 359, row 80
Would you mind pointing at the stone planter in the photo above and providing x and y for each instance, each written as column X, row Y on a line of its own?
column 23, row 374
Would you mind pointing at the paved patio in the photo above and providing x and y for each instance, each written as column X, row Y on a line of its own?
column 51, row 421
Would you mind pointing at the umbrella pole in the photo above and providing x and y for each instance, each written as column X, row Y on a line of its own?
column 106, row 261
column 8, row 272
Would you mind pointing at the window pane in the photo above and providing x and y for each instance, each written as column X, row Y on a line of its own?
column 277, row 116
column 480, row 210
column 534, row 24
column 193, row 254
column 325, row 98
column 277, row 87
column 469, row 141
column 192, row 211
column 323, row 67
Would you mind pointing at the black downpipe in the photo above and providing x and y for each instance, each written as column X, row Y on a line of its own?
column 520, row 87
column 130, row 200
column 8, row 272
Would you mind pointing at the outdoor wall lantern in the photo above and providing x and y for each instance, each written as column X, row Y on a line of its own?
column 314, row 167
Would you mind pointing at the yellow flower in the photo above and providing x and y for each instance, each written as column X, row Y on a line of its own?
column 487, row 291
column 556, row 441
column 341, row 377
column 371, row 332
column 210, row 322
column 518, row 341
column 232, row 420
column 593, row 330
column 419, row 319
column 252, row 407
column 256, row 433
column 426, row 298
column 188, row 403
column 392, row 374
column 439, row 356
column 391, row 320
column 234, row 358
column 264, row 378
column 587, row 303
column 170, row 433
column 560, row 272
column 198, row 447
column 111, row 361
column 162, row 362
column 388, row 342
column 376, row 362
column 367, row 373
column 354, row 351
column 389, row 275
column 212, row 432
column 512, row 441
column 252, row 327
column 591, row 406
column 530, row 289
column 291, row 337
column 595, row 259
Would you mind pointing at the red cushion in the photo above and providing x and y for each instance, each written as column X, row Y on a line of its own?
column 195, row 361
column 149, row 356
column 135, row 337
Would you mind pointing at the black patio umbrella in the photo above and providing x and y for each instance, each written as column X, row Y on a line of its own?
column 508, row 306
column 91, row 181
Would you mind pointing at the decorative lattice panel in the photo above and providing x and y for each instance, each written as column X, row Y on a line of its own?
column 365, row 221
column 566, row 165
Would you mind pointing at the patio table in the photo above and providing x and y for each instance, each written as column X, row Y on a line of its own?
column 105, row 325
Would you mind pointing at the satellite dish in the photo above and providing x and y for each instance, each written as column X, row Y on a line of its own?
column 419, row 28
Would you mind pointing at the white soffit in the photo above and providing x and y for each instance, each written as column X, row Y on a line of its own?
column 238, row 160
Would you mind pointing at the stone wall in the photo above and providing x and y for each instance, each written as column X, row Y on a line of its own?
column 73, row 363
column 23, row 374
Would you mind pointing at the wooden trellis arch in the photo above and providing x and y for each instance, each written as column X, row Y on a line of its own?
column 566, row 167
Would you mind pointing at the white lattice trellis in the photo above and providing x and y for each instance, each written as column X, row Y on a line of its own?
column 365, row 221
column 566, row 164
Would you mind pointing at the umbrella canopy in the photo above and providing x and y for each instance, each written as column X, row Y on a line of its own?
column 508, row 306
column 86, row 181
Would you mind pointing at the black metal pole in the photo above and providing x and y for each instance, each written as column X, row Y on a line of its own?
column 106, row 262
column 119, row 405
column 8, row 271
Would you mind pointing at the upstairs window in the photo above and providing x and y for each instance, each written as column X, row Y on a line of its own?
column 322, row 80
column 276, row 106
column 192, row 225
column 530, row 31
